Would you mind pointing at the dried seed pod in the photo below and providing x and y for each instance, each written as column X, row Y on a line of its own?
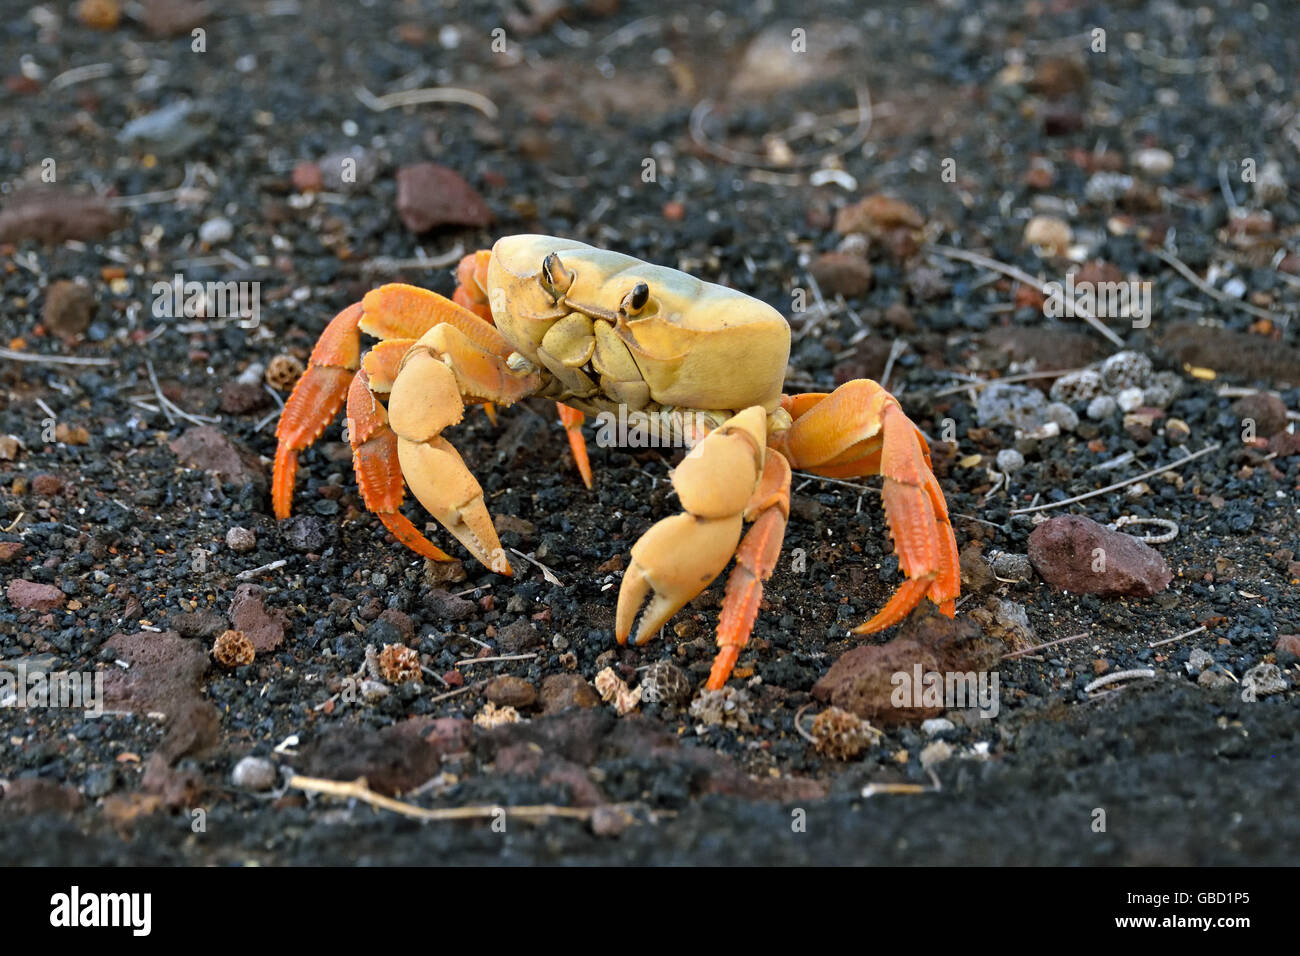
column 728, row 708
column 399, row 663
column 666, row 683
column 493, row 716
column 614, row 690
column 840, row 734
column 283, row 372
column 232, row 649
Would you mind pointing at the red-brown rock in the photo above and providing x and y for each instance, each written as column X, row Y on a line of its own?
column 1076, row 554
column 429, row 196
column 33, row 596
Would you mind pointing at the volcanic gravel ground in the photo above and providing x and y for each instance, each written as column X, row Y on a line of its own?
column 115, row 545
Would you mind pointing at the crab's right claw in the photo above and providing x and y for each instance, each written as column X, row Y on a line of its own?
column 673, row 562
column 677, row 558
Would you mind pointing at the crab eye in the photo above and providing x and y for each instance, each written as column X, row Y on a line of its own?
column 555, row 278
column 636, row 300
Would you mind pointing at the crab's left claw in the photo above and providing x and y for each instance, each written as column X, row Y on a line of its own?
column 677, row 558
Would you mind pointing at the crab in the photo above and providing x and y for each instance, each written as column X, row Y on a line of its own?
column 597, row 331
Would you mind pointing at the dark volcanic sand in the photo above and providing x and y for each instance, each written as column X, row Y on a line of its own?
column 1186, row 774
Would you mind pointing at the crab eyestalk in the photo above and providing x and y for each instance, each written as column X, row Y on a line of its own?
column 555, row 278
column 635, row 300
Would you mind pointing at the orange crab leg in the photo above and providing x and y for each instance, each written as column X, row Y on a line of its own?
column 572, row 420
column 315, row 400
column 382, row 363
column 471, row 284
column 399, row 311
column 860, row 429
column 756, row 559
column 379, row 475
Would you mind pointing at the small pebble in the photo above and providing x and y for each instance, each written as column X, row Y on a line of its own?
column 1198, row 660
column 1262, row 680
column 170, row 130
column 100, row 783
column 1063, row 415
column 1017, row 406
column 1104, row 187
column 1125, row 370
column 1013, row 567
column 1130, row 399
column 935, row 753
column 1048, row 233
column 1080, row 386
column 666, row 683
column 1177, row 431
column 1162, row 389
column 241, row 540
column 1010, row 460
column 254, row 773
column 1271, row 185
column 1154, row 162
column 936, row 725
column 252, row 375
column 1102, row 407
column 216, row 231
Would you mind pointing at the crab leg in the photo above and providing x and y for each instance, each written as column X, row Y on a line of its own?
column 391, row 312
column 769, row 509
column 379, row 476
column 860, row 429
column 677, row 558
column 471, row 284
column 442, row 368
column 572, row 420
column 315, row 400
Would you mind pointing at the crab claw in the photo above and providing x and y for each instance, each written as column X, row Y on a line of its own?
column 673, row 562
column 677, row 558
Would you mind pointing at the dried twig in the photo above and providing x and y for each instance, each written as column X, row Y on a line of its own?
column 391, row 264
column 1170, row 526
column 800, row 160
column 1119, row 676
column 547, row 573
column 455, row 693
column 169, row 407
column 896, row 348
column 1021, row 276
column 974, row 383
column 53, row 359
column 1185, row 271
column 874, row 789
column 500, row 657
column 435, row 94
column 98, row 71
column 1030, row 650
column 359, row 790
column 1179, row 637
column 253, row 572
column 179, row 194
column 1119, row 484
